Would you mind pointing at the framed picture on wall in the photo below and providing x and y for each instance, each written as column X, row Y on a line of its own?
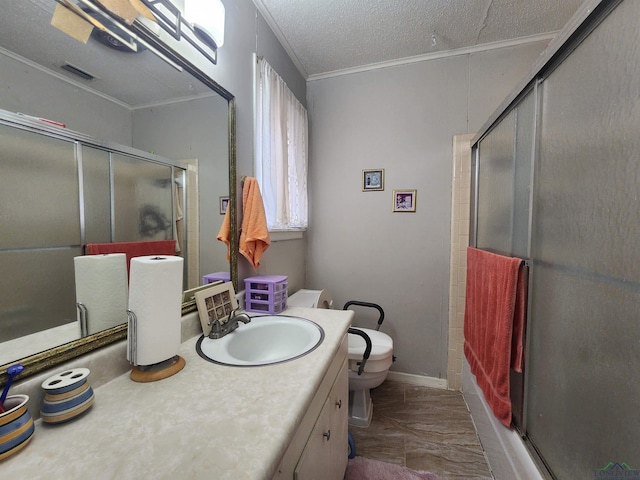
column 224, row 203
column 404, row 200
column 373, row 180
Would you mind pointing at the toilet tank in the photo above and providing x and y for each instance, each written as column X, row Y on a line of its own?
column 311, row 299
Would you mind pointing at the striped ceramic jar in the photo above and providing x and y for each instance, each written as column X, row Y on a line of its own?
column 16, row 425
column 67, row 395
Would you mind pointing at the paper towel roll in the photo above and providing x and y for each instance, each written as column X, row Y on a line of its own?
column 155, row 296
column 101, row 286
column 311, row 299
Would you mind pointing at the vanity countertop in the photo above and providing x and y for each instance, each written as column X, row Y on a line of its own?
column 207, row 421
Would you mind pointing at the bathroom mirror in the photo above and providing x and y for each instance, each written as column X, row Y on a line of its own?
column 40, row 65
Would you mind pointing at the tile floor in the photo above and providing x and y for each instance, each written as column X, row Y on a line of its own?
column 424, row 429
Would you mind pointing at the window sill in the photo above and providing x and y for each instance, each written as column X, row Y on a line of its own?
column 282, row 235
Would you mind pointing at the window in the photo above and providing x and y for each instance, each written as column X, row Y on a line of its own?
column 281, row 151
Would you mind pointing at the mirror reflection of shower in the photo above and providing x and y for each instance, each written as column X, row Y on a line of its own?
column 129, row 100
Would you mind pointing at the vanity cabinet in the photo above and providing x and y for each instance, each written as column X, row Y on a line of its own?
column 320, row 447
column 326, row 452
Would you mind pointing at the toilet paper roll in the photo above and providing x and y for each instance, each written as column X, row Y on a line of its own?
column 155, row 295
column 311, row 299
column 101, row 286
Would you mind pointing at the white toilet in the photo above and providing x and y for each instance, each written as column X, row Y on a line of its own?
column 376, row 366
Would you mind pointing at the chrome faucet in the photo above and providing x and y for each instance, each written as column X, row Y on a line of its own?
column 219, row 330
column 239, row 317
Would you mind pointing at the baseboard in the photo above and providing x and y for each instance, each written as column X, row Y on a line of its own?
column 432, row 382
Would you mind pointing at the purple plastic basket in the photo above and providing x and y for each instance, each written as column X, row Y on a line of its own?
column 266, row 293
column 216, row 277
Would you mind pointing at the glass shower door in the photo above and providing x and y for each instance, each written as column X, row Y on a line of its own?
column 143, row 193
column 583, row 386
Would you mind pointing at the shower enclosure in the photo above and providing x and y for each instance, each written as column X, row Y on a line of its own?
column 556, row 180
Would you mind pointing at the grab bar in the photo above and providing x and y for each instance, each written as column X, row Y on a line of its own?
column 367, row 350
column 367, row 304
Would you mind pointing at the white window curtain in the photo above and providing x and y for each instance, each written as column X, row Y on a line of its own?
column 281, row 151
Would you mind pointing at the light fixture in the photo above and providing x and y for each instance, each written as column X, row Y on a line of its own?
column 207, row 19
column 115, row 40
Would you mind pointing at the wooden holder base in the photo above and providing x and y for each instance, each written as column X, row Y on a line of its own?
column 159, row 371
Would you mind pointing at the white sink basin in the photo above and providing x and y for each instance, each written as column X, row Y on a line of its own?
column 266, row 340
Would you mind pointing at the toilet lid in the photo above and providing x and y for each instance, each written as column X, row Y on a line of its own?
column 381, row 345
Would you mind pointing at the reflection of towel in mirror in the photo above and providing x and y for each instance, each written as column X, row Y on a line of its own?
column 224, row 233
column 254, row 237
column 133, row 249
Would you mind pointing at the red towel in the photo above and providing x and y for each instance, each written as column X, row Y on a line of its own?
column 134, row 249
column 520, row 321
column 491, row 292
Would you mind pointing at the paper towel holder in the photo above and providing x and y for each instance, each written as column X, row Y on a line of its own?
column 83, row 319
column 154, row 322
column 157, row 371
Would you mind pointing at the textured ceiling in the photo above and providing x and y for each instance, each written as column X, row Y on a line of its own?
column 321, row 36
column 331, row 35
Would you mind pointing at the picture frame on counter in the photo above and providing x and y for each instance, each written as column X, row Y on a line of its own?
column 215, row 303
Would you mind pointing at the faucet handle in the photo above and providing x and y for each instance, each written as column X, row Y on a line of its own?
column 220, row 329
column 233, row 313
column 235, row 317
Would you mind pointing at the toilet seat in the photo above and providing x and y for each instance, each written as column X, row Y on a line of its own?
column 376, row 369
column 381, row 356
column 376, row 366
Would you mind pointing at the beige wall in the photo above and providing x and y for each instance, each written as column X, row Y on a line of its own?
column 286, row 257
column 402, row 119
column 34, row 92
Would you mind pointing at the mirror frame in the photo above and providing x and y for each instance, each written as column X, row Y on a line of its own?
column 48, row 358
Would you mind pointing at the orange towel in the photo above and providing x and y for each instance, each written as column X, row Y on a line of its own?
column 254, row 236
column 224, row 234
column 490, row 306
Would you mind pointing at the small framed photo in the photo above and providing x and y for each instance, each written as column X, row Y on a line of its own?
column 404, row 200
column 224, row 203
column 215, row 303
column 373, row 180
